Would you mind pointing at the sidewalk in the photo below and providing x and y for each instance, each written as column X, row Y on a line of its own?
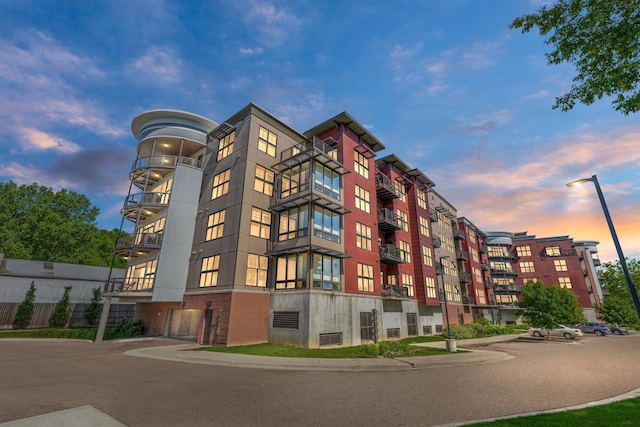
column 184, row 353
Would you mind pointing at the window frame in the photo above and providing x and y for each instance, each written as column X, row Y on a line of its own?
column 215, row 225
column 221, row 184
column 212, row 265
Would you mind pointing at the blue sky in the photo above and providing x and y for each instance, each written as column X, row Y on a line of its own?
column 445, row 85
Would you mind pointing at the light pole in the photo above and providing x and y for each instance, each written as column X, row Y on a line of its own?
column 623, row 262
column 451, row 343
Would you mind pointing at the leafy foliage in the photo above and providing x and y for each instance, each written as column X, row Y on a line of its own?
column 25, row 309
column 39, row 224
column 601, row 38
column 92, row 311
column 61, row 312
column 126, row 329
column 618, row 306
column 548, row 306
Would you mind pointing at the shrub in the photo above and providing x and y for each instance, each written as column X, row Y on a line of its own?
column 25, row 309
column 61, row 312
column 126, row 329
column 93, row 309
column 482, row 321
column 370, row 350
column 458, row 332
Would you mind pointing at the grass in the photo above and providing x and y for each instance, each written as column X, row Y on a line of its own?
column 400, row 348
column 618, row 414
column 74, row 333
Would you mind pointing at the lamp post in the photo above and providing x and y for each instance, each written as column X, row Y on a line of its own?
column 451, row 343
column 623, row 262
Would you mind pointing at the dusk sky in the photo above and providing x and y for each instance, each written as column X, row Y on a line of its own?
column 445, row 85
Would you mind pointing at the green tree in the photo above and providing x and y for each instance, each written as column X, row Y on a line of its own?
column 618, row 306
column 602, row 39
column 617, row 310
column 25, row 309
column 93, row 309
column 548, row 306
column 61, row 311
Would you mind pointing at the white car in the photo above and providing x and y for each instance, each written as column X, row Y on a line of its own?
column 560, row 331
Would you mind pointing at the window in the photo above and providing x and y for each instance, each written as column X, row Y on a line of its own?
column 264, row 180
column 209, row 271
column 365, row 277
column 403, row 219
column 498, row 251
column 448, row 267
column 427, row 257
column 477, row 273
column 361, row 164
column 267, row 142
column 326, row 272
column 362, row 199
column 453, row 294
column 407, row 280
column 412, row 324
column 150, row 233
column 326, row 224
column 501, row 265
column 424, row 226
column 552, row 250
column 401, row 191
column 140, row 276
column 474, row 255
column 527, row 267
column 366, row 326
column 225, row 147
column 215, row 225
column 363, row 236
column 327, row 180
column 260, row 223
column 560, row 264
column 524, row 250
column 472, row 236
column 405, row 251
column 565, row 282
column 220, row 184
column 295, row 180
column 430, row 284
column 162, row 192
column 334, row 338
column 422, row 198
column 257, row 266
column 293, row 223
column 291, row 271
column 480, row 297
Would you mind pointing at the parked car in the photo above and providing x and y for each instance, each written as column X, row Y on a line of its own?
column 617, row 330
column 559, row 331
column 596, row 328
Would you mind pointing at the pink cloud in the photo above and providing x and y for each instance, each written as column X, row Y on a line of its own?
column 38, row 140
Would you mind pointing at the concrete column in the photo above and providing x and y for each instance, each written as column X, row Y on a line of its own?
column 104, row 316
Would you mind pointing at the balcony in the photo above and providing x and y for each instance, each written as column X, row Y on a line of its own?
column 141, row 206
column 433, row 215
column 387, row 220
column 488, row 284
column 504, row 272
column 437, row 242
column 390, row 254
column 306, row 193
column 596, row 262
column 486, row 266
column 385, row 188
column 137, row 285
column 395, row 291
column 464, row 277
column 138, row 244
column 148, row 171
column 462, row 255
column 507, row 288
column 312, row 149
column 467, row 300
column 483, row 249
column 458, row 234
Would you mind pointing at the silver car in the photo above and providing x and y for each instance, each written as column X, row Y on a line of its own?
column 559, row 331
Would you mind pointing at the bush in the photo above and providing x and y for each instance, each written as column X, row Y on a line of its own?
column 78, row 333
column 459, row 332
column 126, row 329
column 370, row 350
column 93, row 309
column 61, row 312
column 482, row 321
column 25, row 309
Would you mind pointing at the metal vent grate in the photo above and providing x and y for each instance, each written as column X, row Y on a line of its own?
column 427, row 330
column 286, row 319
column 48, row 265
column 331, row 339
column 393, row 333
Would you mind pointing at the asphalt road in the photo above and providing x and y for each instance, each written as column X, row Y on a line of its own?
column 47, row 376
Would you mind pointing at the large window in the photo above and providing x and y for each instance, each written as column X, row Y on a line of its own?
column 524, row 250
column 220, row 184
column 405, row 251
column 294, row 223
column 477, row 273
column 480, row 296
column 215, row 225
column 453, row 294
column 150, row 233
column 565, row 282
column 422, row 198
column 401, row 191
column 403, row 219
column 365, row 277
column 560, row 264
column 327, row 180
column 430, row 284
column 326, row 224
column 257, row 266
column 260, row 223
column 360, row 164
column 140, row 276
column 498, row 251
column 527, row 267
column 295, row 180
column 363, row 236
column 427, row 257
column 407, row 280
column 209, row 271
column 267, row 142
column 291, row 271
column 326, row 272
column 472, row 236
column 474, row 255
column 362, row 199
column 424, row 226
column 552, row 250
column 264, row 180
column 225, row 147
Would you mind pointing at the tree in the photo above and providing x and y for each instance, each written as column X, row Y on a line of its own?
column 618, row 306
column 548, row 306
column 617, row 310
column 93, row 309
column 602, row 39
column 61, row 311
column 25, row 309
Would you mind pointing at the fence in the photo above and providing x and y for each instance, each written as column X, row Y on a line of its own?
column 42, row 313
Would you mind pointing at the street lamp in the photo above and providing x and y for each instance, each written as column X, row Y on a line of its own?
column 623, row 262
column 451, row 343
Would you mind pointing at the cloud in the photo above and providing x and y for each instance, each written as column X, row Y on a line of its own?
column 157, row 64
column 38, row 140
column 249, row 51
column 273, row 25
column 485, row 122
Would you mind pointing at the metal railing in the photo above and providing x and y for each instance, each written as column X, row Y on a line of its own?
column 468, row 300
column 391, row 253
column 165, row 161
column 464, row 277
column 385, row 187
column 140, row 240
column 506, row 288
column 147, row 198
column 458, row 234
column 462, row 255
column 138, row 284
column 386, row 216
column 437, row 242
column 433, row 215
column 312, row 144
column 395, row 291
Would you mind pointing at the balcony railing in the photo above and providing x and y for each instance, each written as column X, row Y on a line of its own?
column 504, row 271
column 385, row 188
column 141, row 206
column 486, row 266
column 389, row 254
column 395, row 291
column 138, row 244
column 596, row 262
column 468, row 300
column 458, row 234
column 437, row 242
column 161, row 166
column 488, row 284
column 483, row 249
column 433, row 215
column 312, row 148
column 464, row 277
column 462, row 255
column 387, row 220
column 507, row 288
column 138, row 284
